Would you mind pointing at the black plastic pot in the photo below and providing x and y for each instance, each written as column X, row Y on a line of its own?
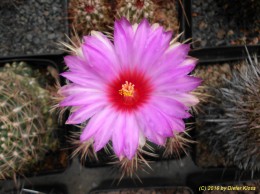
column 143, row 190
column 218, row 53
column 59, row 159
column 40, row 189
column 148, row 186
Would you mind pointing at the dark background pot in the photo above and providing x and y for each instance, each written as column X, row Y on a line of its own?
column 148, row 186
column 46, row 189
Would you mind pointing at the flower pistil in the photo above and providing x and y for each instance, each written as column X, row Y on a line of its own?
column 127, row 89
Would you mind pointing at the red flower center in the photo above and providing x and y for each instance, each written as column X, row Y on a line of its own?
column 89, row 8
column 139, row 4
column 129, row 91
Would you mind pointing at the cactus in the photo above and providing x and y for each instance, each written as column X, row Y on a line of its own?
column 135, row 10
column 162, row 12
column 25, row 122
column 230, row 118
column 87, row 15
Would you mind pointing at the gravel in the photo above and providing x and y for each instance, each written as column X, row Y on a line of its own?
column 222, row 22
column 32, row 27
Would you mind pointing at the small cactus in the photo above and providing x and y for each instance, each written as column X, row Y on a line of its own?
column 88, row 15
column 25, row 122
column 230, row 118
column 135, row 10
column 156, row 11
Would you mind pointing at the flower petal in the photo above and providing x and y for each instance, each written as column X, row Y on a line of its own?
column 123, row 38
column 140, row 41
column 95, row 123
column 76, row 64
column 74, row 89
column 84, row 80
column 172, row 58
column 157, row 42
column 102, row 44
column 84, row 113
column 98, row 60
column 170, row 107
column 184, row 84
column 149, row 132
column 82, row 98
column 118, row 135
column 187, row 99
column 103, row 135
column 131, row 134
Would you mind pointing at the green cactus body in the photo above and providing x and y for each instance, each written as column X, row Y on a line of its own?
column 25, row 123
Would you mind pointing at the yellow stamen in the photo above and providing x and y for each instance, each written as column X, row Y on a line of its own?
column 127, row 89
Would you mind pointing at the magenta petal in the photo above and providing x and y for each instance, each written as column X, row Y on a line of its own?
column 157, row 42
column 131, row 134
column 150, row 133
column 118, row 135
column 170, row 107
column 95, row 123
column 74, row 89
column 99, row 62
column 186, row 99
column 172, row 58
column 177, row 55
column 123, row 38
column 184, row 84
column 84, row 113
column 83, row 80
column 104, row 134
column 178, row 125
column 82, row 99
column 156, row 121
column 76, row 64
column 175, row 72
column 140, row 41
column 104, row 49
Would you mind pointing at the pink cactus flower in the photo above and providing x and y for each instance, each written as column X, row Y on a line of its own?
column 133, row 89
